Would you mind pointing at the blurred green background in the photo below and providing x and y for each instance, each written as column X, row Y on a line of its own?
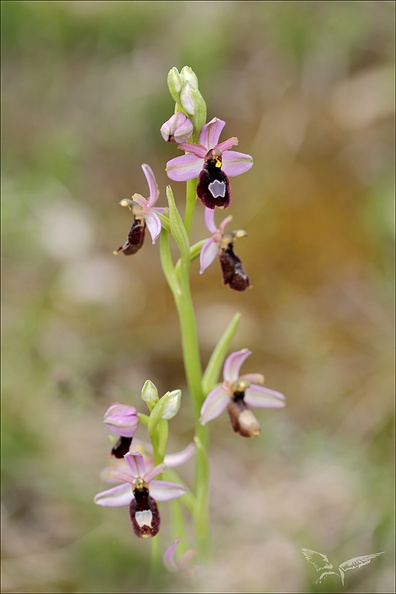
column 308, row 88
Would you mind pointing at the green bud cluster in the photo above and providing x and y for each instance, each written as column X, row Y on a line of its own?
column 183, row 87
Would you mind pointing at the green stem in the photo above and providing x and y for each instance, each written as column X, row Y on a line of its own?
column 191, row 355
column 155, row 557
column 192, row 365
column 193, row 369
column 181, row 289
column 191, row 198
column 201, row 489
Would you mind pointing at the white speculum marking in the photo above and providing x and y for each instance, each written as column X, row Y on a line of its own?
column 144, row 518
column 217, row 188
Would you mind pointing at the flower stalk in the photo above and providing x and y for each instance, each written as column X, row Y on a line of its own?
column 181, row 289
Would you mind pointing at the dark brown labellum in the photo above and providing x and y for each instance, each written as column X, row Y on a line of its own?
column 144, row 514
column 121, row 447
column 135, row 238
column 213, row 187
column 243, row 420
column 234, row 274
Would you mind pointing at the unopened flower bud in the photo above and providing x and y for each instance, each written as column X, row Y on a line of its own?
column 150, row 394
column 187, row 74
column 178, row 128
column 121, row 419
column 174, row 84
column 171, row 404
column 193, row 103
column 187, row 98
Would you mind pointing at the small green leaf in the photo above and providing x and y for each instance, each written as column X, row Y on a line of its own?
column 216, row 361
column 178, row 231
column 167, row 263
column 164, row 218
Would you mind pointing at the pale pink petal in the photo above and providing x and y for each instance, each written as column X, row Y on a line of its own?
column 163, row 491
column 141, row 466
column 115, row 497
column 252, row 378
column 153, row 225
column 260, row 397
column 109, row 474
column 233, row 364
column 169, row 557
column 185, row 167
column 186, row 557
column 209, row 251
column 131, row 461
column 179, row 458
column 138, row 198
column 136, row 463
column 235, row 163
column 154, row 472
column 210, row 220
column 122, row 475
column 227, row 144
column 196, row 149
column 152, row 184
column 223, row 223
column 215, row 403
column 210, row 133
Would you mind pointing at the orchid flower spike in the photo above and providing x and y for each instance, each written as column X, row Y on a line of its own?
column 145, row 215
column 122, row 420
column 221, row 244
column 237, row 394
column 212, row 162
column 142, row 498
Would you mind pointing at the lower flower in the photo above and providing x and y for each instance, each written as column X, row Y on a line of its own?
column 239, row 394
column 140, row 492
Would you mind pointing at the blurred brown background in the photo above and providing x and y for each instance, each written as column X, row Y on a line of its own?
column 308, row 88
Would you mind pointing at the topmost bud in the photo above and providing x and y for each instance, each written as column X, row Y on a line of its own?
column 175, row 84
column 188, row 75
column 177, row 80
column 183, row 86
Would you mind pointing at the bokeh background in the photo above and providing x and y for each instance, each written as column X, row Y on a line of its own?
column 308, row 88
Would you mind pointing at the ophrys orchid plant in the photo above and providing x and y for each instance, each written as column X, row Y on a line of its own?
column 148, row 474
